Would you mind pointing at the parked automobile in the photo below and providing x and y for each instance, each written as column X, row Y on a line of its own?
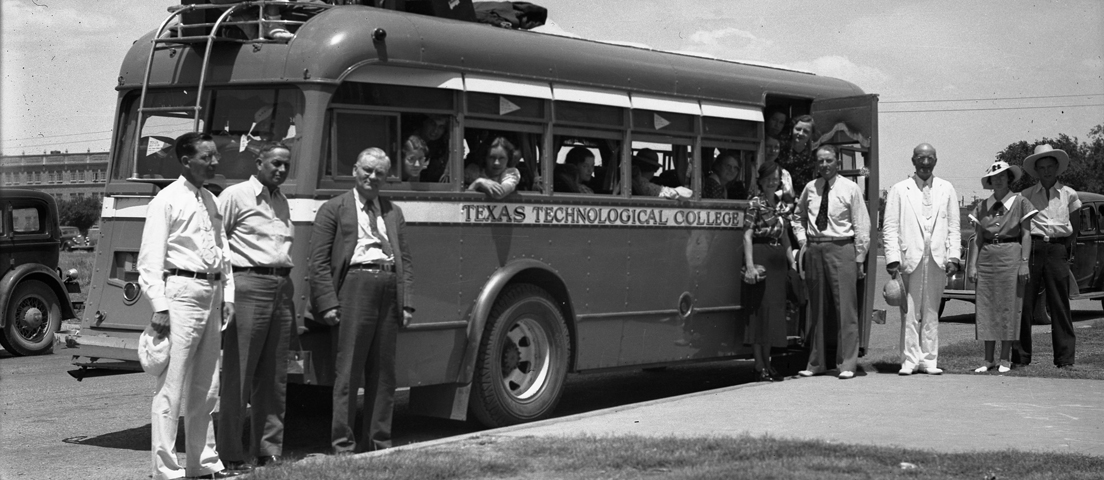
column 93, row 236
column 71, row 239
column 34, row 294
column 1086, row 271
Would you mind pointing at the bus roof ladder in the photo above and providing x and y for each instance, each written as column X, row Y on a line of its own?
column 161, row 40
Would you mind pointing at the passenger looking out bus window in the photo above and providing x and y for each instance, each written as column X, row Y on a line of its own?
column 582, row 160
column 433, row 130
column 776, row 124
column 724, row 170
column 797, row 155
column 644, row 166
column 772, row 147
column 498, row 179
column 414, row 152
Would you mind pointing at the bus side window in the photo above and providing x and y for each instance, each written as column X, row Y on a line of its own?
column 354, row 131
column 586, row 165
column 522, row 148
column 659, row 166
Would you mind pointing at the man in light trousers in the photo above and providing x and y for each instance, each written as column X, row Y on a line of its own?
column 923, row 244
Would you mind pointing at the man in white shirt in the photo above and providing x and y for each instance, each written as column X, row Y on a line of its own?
column 923, row 244
column 832, row 221
column 184, row 270
column 1053, row 236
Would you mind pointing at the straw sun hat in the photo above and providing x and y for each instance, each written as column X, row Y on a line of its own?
column 998, row 167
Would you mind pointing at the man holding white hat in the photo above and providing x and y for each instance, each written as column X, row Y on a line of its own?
column 922, row 244
column 1053, row 233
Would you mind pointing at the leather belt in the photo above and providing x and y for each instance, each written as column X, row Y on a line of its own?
column 372, row 267
column 1044, row 238
column 996, row 241
column 839, row 240
column 270, row 271
column 767, row 241
column 214, row 277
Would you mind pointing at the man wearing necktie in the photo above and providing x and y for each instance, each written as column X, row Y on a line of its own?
column 184, row 270
column 361, row 279
column 922, row 243
column 1053, row 236
column 833, row 225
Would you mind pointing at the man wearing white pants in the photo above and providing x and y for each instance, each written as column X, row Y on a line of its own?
column 184, row 270
column 923, row 244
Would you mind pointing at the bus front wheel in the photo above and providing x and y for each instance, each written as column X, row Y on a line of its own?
column 522, row 360
column 33, row 315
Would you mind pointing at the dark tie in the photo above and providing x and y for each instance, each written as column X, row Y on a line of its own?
column 385, row 245
column 822, row 215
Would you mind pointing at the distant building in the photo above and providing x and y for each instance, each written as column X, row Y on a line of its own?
column 66, row 176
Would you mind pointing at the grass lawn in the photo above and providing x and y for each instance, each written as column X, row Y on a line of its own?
column 964, row 357
column 587, row 457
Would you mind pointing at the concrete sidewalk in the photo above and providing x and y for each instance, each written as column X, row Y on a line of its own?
column 946, row 413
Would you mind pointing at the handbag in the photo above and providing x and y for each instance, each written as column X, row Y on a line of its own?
column 796, row 291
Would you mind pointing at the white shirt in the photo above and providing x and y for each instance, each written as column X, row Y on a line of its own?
column 847, row 215
column 1053, row 219
column 184, row 231
column 257, row 224
column 368, row 248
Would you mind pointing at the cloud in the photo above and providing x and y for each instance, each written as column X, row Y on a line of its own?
column 26, row 24
column 731, row 43
column 870, row 78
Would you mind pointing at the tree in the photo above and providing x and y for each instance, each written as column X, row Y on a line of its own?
column 1086, row 166
column 81, row 213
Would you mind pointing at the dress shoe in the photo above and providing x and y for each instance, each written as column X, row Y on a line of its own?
column 1003, row 368
column 810, row 373
column 985, row 368
column 778, row 377
column 269, row 460
column 905, row 371
column 764, row 376
column 221, row 474
column 238, row 466
column 846, row 375
column 930, row 370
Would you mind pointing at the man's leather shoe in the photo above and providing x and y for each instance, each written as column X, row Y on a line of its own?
column 905, row 371
column 269, row 460
column 810, row 373
column 930, row 370
column 238, row 466
column 846, row 375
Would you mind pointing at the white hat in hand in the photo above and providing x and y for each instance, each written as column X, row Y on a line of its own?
column 153, row 352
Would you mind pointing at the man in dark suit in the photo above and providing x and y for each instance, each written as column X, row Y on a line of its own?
column 361, row 278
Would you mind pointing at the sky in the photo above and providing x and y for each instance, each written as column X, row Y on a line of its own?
column 970, row 78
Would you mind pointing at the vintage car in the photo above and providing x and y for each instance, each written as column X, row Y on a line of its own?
column 71, row 240
column 34, row 294
column 1087, row 269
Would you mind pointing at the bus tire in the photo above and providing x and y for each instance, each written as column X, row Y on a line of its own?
column 33, row 315
column 523, row 359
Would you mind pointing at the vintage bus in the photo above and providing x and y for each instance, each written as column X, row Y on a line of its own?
column 511, row 295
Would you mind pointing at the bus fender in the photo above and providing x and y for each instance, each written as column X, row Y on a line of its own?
column 486, row 299
column 33, row 271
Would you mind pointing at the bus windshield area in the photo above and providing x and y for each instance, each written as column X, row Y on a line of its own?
column 240, row 120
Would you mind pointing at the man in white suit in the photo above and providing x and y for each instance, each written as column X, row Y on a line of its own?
column 923, row 244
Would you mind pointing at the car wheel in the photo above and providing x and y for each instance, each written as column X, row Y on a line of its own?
column 523, row 359
column 33, row 315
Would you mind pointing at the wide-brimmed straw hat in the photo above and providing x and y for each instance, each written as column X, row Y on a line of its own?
column 998, row 167
column 153, row 352
column 1043, row 151
column 893, row 292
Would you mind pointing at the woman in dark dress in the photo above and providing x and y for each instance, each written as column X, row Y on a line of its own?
column 767, row 258
column 798, row 155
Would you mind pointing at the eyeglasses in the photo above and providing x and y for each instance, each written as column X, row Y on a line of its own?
column 925, row 158
column 415, row 160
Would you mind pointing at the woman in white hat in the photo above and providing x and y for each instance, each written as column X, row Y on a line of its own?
column 999, row 262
